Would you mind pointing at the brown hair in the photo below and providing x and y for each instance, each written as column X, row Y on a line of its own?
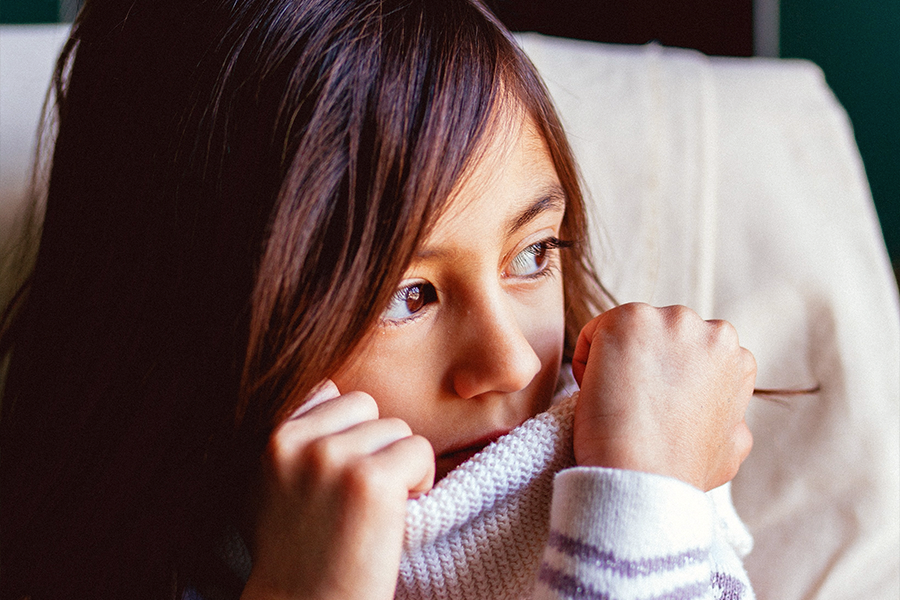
column 341, row 239
column 236, row 190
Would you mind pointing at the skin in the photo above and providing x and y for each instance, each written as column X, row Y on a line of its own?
column 665, row 392
column 484, row 356
column 470, row 348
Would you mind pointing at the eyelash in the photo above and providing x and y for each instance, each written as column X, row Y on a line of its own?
column 429, row 292
column 423, row 288
column 551, row 263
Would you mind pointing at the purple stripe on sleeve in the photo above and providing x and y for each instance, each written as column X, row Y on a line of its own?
column 628, row 568
column 728, row 587
column 572, row 588
column 568, row 586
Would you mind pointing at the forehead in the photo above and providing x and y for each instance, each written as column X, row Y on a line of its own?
column 511, row 182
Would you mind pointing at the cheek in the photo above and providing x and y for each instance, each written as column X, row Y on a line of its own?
column 544, row 325
column 406, row 371
column 389, row 369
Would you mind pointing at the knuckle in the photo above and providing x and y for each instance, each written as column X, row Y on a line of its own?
column 322, row 457
column 639, row 310
column 723, row 333
column 284, row 445
column 366, row 480
column 680, row 318
column 679, row 311
column 628, row 317
column 274, row 456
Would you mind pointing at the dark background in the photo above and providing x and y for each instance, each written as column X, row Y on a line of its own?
column 723, row 27
column 855, row 42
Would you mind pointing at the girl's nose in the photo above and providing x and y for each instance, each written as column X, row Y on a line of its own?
column 494, row 355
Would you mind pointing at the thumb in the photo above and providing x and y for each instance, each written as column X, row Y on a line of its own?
column 583, row 349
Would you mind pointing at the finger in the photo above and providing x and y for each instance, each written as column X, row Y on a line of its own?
column 743, row 440
column 723, row 334
column 324, row 391
column 748, row 369
column 748, row 362
column 326, row 456
column 367, row 437
column 412, row 458
column 583, row 349
column 741, row 444
column 328, row 417
column 678, row 317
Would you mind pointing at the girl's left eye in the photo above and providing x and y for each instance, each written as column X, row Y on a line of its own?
column 534, row 259
column 409, row 300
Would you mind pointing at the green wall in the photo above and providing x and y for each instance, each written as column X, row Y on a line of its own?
column 29, row 11
column 857, row 45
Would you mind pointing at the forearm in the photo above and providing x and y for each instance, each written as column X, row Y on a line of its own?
column 623, row 534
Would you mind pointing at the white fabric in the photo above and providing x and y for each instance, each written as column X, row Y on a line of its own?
column 629, row 535
column 481, row 532
column 733, row 186
column 27, row 59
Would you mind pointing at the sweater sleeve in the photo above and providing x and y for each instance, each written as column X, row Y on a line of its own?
column 623, row 535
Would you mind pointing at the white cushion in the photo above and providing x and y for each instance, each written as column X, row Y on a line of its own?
column 735, row 186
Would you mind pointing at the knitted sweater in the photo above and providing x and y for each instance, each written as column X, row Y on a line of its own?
column 518, row 520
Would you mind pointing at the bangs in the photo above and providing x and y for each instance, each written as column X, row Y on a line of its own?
column 383, row 113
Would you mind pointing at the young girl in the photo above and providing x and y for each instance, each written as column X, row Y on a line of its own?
column 302, row 258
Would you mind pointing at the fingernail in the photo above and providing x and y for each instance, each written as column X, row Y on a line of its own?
column 326, row 390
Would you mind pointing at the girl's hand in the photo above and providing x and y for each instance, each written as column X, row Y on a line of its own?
column 663, row 391
column 331, row 519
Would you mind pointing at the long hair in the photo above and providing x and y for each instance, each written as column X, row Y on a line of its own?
column 236, row 190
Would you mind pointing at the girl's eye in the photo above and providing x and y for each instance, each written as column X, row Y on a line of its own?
column 534, row 259
column 409, row 300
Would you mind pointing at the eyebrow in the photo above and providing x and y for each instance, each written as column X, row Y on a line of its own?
column 552, row 198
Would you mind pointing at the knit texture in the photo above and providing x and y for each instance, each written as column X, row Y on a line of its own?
column 481, row 532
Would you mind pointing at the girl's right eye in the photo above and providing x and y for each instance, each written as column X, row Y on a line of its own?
column 409, row 300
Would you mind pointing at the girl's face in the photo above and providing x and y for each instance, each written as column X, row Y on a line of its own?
column 471, row 344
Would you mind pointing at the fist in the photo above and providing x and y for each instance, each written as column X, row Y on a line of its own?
column 665, row 392
column 330, row 522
